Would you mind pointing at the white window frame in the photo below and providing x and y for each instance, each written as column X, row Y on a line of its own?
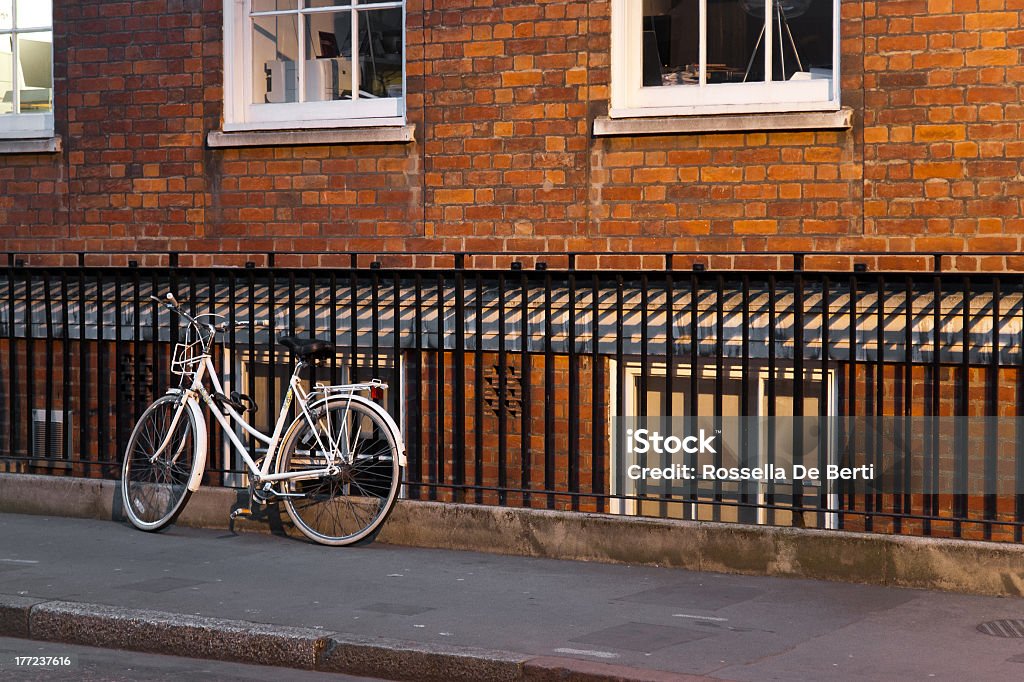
column 240, row 114
column 18, row 126
column 630, row 99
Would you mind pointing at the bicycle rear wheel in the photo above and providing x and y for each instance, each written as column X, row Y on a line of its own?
column 350, row 505
column 154, row 481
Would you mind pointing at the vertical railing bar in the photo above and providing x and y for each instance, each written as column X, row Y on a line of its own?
column 314, row 333
column 620, row 369
column 992, row 412
column 459, row 384
column 437, row 462
column 251, row 350
column 30, row 363
column 416, row 424
column 670, row 370
column 825, row 426
column 960, row 462
column 526, row 382
column 643, row 397
column 691, row 510
column 332, row 320
column 375, row 284
column 48, row 346
column 83, row 372
column 798, row 384
column 65, row 305
column 102, row 385
column 877, row 499
column 598, row 420
column 503, row 401
column 932, row 458
column 771, row 393
column 137, row 346
column 903, row 487
column 1018, row 478
column 398, row 402
column 13, row 413
column 119, row 439
column 549, row 383
column 292, row 296
column 574, row 402
column 851, row 498
column 478, row 392
column 716, row 510
column 744, row 415
column 353, row 327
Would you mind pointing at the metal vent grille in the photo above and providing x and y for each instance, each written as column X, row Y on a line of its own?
column 48, row 429
column 1003, row 628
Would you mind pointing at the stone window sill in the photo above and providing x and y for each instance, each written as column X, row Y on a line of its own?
column 275, row 138
column 692, row 125
column 35, row 145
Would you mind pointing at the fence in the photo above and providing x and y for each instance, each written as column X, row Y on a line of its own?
column 508, row 381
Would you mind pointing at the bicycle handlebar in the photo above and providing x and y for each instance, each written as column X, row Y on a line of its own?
column 171, row 303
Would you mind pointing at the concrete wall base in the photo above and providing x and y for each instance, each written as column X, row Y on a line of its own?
column 930, row 563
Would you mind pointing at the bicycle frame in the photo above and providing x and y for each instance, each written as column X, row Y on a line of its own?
column 261, row 474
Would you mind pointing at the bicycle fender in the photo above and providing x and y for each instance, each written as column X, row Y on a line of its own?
column 396, row 433
column 197, row 474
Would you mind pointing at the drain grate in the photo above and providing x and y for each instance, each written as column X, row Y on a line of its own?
column 1003, row 628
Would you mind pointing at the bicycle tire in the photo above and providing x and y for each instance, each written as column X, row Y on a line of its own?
column 351, row 506
column 155, row 492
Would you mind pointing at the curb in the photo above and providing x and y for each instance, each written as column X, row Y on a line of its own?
column 159, row 632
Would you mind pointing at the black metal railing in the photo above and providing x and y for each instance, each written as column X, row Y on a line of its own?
column 508, row 378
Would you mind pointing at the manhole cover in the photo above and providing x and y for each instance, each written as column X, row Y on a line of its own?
column 1003, row 628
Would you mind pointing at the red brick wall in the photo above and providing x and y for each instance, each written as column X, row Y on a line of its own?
column 503, row 95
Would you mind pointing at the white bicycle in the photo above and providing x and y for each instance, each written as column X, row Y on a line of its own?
column 337, row 466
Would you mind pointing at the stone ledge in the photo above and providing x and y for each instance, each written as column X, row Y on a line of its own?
column 692, row 125
column 36, row 145
column 218, row 139
column 899, row 561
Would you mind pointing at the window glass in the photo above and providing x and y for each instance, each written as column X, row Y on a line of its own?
column 736, row 35
column 275, row 53
column 6, row 75
column 35, row 60
column 381, row 53
column 6, row 14
column 34, row 13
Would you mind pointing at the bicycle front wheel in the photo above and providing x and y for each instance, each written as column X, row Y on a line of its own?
column 162, row 454
column 349, row 504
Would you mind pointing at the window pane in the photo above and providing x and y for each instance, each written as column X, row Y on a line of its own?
column 326, row 3
column 6, row 14
column 35, row 57
column 735, row 41
column 810, row 24
column 671, row 42
column 381, row 53
column 271, row 5
column 329, row 48
column 275, row 52
column 35, row 13
column 6, row 75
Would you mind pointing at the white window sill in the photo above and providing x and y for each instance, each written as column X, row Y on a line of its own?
column 683, row 125
column 274, row 138
column 34, row 145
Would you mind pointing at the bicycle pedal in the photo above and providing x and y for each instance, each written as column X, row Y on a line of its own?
column 241, row 512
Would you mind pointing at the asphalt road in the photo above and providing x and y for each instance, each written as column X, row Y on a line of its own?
column 723, row 626
column 88, row 664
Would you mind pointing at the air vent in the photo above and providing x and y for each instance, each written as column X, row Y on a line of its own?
column 48, row 429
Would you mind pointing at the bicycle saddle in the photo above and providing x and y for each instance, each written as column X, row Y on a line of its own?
column 316, row 349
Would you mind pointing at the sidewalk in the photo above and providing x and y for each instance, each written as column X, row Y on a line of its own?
column 415, row 613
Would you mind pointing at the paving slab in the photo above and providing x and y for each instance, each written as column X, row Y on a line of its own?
column 535, row 618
